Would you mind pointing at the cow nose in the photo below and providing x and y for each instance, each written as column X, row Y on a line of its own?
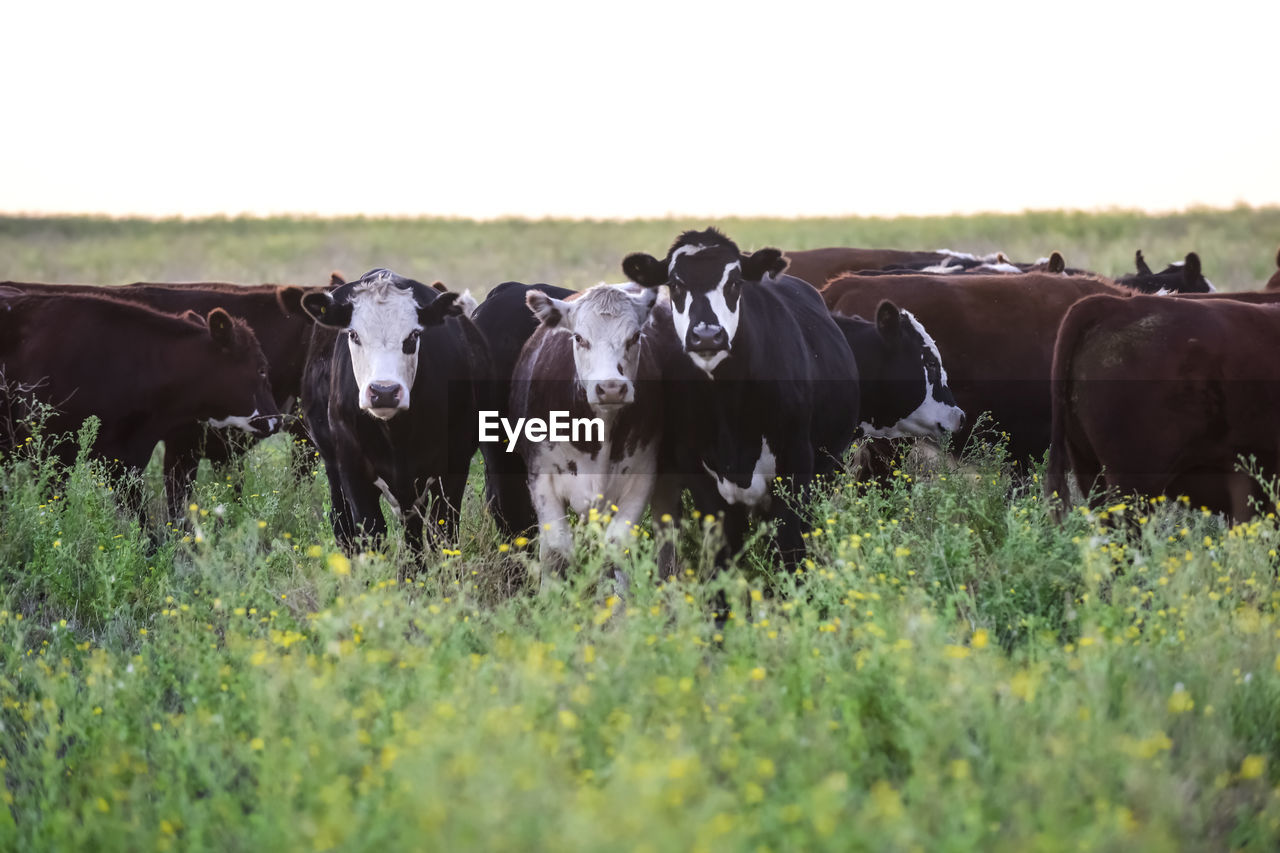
column 707, row 338
column 384, row 395
column 611, row 391
column 264, row 424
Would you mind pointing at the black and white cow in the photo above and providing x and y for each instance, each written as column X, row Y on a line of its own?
column 901, row 378
column 762, row 389
column 590, row 360
column 1178, row 277
column 506, row 323
column 390, row 401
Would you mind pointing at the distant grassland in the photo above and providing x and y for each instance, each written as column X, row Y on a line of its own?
column 1237, row 247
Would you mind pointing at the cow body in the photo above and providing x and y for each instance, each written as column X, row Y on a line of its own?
column 507, row 324
column 762, row 388
column 390, row 399
column 143, row 373
column 1161, row 396
column 275, row 315
column 590, row 359
column 996, row 334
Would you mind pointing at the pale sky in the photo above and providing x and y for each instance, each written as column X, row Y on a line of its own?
column 599, row 109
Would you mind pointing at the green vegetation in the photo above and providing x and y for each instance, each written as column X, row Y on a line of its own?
column 956, row 671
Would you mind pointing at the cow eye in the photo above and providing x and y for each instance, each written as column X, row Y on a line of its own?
column 581, row 341
column 633, row 340
column 355, row 339
column 413, row 336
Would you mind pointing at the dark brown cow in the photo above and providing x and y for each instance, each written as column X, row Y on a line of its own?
column 1273, row 283
column 275, row 315
column 1161, row 397
column 142, row 372
column 995, row 333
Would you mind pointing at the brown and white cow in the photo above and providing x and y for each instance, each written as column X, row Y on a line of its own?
column 590, row 359
column 143, row 373
column 995, row 333
column 1162, row 396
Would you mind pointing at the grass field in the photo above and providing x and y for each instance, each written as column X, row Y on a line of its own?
column 957, row 672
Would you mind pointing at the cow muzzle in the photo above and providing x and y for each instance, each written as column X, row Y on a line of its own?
column 385, row 399
column 707, row 339
column 612, row 392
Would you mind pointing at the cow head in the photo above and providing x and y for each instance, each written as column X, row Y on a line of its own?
column 241, row 367
column 605, row 321
column 1179, row 277
column 705, row 272
column 912, row 395
column 383, row 316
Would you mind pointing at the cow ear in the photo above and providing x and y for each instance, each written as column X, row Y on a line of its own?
column 439, row 286
column 193, row 317
column 1140, row 263
column 1057, row 263
column 645, row 269
column 221, row 328
column 290, row 299
column 763, row 262
column 321, row 307
column 441, row 308
column 1191, row 270
column 644, row 301
column 549, row 312
column 889, row 322
column 336, row 280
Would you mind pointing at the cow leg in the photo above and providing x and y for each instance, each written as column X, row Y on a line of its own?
column 445, row 497
column 666, row 511
column 619, row 534
column 555, row 537
column 365, row 513
column 1240, row 488
column 506, row 490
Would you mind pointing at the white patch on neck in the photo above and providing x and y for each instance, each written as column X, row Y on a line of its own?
column 241, row 422
column 757, row 494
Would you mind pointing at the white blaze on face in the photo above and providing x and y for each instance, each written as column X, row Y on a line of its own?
column 932, row 416
column 721, row 315
column 382, row 319
column 606, row 322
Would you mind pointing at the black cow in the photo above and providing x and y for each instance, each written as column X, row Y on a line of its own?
column 903, row 384
column 762, row 387
column 390, row 398
column 506, row 323
column 1180, row 277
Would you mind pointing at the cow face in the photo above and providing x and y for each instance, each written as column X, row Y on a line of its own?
column 605, row 322
column 383, row 316
column 913, row 396
column 706, row 274
column 240, row 387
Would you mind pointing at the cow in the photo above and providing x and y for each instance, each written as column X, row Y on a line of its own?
column 902, row 383
column 1159, row 396
column 1273, row 283
column 390, row 397
column 506, row 322
column 762, row 387
column 590, row 359
column 995, row 332
column 818, row 266
column 273, row 312
column 145, row 374
column 1180, row 277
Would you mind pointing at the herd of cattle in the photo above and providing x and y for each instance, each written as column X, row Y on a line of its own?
column 740, row 378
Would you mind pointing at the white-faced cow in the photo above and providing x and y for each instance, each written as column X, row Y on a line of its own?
column 143, row 373
column 762, row 389
column 506, row 323
column 903, row 384
column 390, row 400
column 590, row 359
